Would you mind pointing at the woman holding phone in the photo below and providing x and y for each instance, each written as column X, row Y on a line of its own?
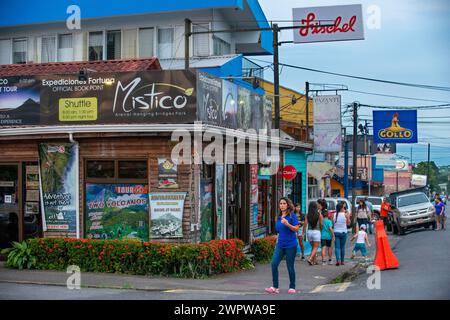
column 286, row 226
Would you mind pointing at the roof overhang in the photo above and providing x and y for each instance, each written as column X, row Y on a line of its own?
column 149, row 128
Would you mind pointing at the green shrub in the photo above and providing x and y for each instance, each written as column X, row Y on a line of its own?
column 135, row 257
column 264, row 248
column 20, row 256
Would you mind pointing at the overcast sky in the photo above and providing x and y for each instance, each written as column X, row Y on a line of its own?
column 412, row 45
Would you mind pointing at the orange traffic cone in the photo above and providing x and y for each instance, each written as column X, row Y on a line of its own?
column 384, row 258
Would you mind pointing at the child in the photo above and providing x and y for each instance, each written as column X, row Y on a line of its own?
column 361, row 242
column 327, row 236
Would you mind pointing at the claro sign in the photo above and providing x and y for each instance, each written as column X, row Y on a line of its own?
column 342, row 23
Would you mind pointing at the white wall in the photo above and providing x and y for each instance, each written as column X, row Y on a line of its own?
column 129, row 25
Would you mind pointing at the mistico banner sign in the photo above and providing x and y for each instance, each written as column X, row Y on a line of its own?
column 342, row 23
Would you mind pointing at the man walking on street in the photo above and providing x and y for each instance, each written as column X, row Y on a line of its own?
column 384, row 211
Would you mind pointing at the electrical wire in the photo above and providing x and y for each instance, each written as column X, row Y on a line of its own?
column 415, row 85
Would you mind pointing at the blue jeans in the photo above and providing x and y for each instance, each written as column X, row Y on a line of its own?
column 278, row 255
column 339, row 246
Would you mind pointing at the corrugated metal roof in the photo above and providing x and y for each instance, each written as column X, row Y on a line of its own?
column 123, row 65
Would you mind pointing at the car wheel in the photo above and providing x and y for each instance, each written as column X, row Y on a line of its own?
column 401, row 231
column 394, row 228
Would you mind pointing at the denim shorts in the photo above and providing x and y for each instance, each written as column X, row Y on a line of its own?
column 314, row 235
column 361, row 247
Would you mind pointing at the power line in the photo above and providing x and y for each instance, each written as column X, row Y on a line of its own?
column 415, row 85
column 398, row 97
column 436, row 106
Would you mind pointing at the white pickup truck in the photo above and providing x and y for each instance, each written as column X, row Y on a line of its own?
column 410, row 209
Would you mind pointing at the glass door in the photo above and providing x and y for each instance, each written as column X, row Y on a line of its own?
column 32, row 221
column 9, row 204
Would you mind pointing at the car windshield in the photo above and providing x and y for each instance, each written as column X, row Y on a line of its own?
column 375, row 201
column 410, row 200
column 331, row 205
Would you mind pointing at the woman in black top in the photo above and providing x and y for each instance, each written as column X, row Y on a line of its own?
column 301, row 219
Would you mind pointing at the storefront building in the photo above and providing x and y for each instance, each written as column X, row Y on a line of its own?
column 93, row 158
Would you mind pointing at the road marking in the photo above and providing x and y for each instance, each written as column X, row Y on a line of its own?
column 344, row 286
column 339, row 287
column 211, row 291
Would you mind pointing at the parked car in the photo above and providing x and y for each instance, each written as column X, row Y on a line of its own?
column 375, row 201
column 332, row 204
column 410, row 209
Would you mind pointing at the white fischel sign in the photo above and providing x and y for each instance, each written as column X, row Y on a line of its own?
column 343, row 23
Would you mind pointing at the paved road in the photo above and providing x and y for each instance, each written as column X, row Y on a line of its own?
column 423, row 274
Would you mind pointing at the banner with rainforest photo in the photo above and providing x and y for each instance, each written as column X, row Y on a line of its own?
column 58, row 166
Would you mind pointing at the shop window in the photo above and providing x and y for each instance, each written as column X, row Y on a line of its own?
column 132, row 169
column 100, row 169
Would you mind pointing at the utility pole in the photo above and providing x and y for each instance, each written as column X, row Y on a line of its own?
column 345, row 164
column 187, row 34
column 428, row 170
column 276, row 76
column 369, row 173
column 355, row 163
column 307, row 109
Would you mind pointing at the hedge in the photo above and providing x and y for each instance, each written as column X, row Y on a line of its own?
column 264, row 248
column 136, row 257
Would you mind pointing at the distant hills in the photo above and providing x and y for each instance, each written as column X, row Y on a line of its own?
column 169, row 217
column 29, row 107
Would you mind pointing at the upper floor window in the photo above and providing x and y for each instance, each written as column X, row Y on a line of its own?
column 65, row 48
column 5, row 51
column 165, row 43
column 48, row 49
column 146, row 42
column 95, row 46
column 201, row 41
column 221, row 47
column 19, row 51
column 113, row 45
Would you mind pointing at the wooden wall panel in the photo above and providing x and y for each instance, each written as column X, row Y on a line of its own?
column 150, row 148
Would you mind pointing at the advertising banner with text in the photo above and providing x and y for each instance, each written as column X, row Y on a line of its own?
column 103, row 98
column 58, row 164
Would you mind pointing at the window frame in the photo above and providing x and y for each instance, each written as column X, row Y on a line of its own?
column 173, row 53
column 58, row 35
column 103, row 44
column 10, row 49
column 115, row 179
column 54, row 36
column 26, row 49
column 154, row 42
column 208, row 35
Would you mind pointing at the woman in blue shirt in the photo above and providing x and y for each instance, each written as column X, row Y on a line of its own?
column 286, row 226
column 439, row 207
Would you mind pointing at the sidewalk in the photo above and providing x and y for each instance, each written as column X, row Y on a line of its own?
column 250, row 281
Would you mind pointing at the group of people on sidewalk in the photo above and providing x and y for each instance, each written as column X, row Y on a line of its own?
column 320, row 228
